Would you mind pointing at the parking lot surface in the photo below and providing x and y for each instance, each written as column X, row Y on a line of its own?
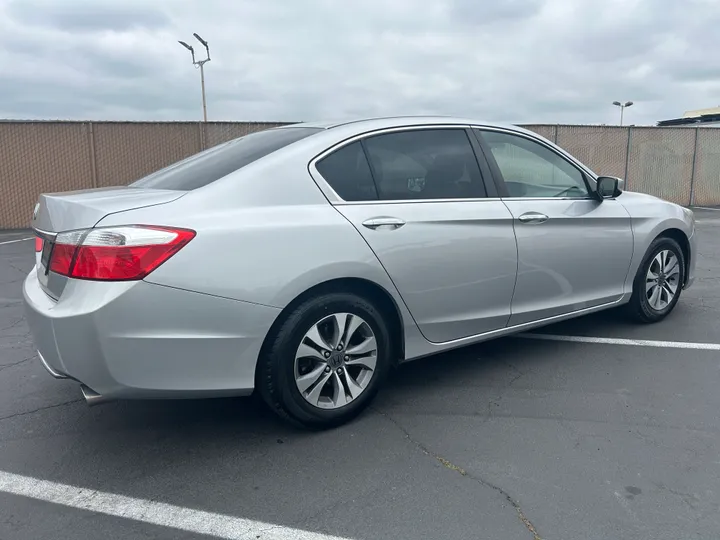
column 515, row 438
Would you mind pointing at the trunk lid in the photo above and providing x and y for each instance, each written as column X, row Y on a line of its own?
column 72, row 210
column 60, row 212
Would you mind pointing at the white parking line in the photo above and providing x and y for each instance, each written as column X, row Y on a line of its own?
column 15, row 241
column 622, row 341
column 706, row 208
column 152, row 512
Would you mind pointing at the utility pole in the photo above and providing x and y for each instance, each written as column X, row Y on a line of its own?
column 200, row 64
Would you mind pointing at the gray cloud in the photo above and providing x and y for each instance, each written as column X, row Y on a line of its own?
column 86, row 15
column 515, row 60
column 489, row 12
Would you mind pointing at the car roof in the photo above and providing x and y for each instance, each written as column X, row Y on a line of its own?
column 382, row 122
column 334, row 132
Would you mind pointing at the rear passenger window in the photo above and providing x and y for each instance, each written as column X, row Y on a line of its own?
column 348, row 173
column 425, row 164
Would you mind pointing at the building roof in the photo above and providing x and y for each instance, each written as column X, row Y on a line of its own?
column 699, row 116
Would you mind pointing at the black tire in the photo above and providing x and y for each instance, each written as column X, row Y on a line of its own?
column 276, row 365
column 639, row 306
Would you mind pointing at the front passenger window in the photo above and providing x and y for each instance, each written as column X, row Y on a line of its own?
column 532, row 170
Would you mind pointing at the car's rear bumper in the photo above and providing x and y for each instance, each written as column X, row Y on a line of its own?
column 139, row 340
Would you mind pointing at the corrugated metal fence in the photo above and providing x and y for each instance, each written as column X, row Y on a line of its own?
column 678, row 164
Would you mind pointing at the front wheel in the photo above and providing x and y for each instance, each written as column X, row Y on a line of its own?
column 658, row 282
column 326, row 361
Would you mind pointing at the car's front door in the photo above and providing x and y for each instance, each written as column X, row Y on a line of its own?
column 418, row 198
column 574, row 250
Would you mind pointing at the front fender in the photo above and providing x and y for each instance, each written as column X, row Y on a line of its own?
column 651, row 217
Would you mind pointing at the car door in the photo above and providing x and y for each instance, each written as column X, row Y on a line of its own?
column 574, row 250
column 417, row 196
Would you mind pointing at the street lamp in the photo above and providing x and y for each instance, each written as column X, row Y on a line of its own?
column 622, row 108
column 200, row 64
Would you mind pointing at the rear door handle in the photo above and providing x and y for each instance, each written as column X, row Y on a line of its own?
column 533, row 217
column 387, row 223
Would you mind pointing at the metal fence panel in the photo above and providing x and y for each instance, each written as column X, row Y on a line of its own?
column 39, row 157
column 661, row 162
column 602, row 148
column 46, row 156
column 219, row 132
column 544, row 130
column 128, row 151
column 706, row 188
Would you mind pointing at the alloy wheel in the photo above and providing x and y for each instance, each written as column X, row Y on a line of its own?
column 335, row 360
column 662, row 280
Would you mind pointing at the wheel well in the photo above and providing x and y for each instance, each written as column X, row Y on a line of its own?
column 682, row 239
column 368, row 290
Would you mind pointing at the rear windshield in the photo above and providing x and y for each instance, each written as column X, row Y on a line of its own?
column 212, row 164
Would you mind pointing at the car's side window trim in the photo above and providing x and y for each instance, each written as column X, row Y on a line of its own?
column 373, row 172
column 587, row 175
column 488, row 180
column 336, row 200
column 495, row 176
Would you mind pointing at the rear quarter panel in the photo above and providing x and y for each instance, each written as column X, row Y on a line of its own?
column 266, row 255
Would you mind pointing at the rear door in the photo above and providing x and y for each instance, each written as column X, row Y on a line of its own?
column 418, row 197
column 574, row 250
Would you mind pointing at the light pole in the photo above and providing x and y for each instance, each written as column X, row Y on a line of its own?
column 622, row 108
column 200, row 63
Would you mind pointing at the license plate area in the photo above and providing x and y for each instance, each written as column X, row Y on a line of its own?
column 45, row 256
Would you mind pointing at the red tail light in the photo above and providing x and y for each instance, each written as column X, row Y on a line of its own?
column 38, row 244
column 62, row 256
column 116, row 253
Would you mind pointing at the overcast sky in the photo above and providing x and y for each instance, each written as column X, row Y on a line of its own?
column 519, row 61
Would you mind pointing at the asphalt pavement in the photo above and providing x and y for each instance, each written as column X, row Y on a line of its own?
column 512, row 439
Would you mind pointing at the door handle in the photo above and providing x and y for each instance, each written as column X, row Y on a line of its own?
column 533, row 217
column 388, row 223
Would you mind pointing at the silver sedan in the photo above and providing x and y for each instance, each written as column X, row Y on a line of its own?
column 304, row 262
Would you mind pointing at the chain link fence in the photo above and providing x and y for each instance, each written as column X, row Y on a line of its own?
column 706, row 172
column 681, row 165
column 38, row 158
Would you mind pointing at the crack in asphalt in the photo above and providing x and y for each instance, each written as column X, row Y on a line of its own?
column 5, row 366
column 495, row 401
column 13, row 325
column 40, row 409
column 456, row 468
column 520, row 373
column 12, row 265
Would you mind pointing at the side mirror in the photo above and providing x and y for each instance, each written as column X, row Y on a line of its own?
column 609, row 187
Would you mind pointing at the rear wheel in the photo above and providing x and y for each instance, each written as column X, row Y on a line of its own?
column 658, row 282
column 326, row 361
